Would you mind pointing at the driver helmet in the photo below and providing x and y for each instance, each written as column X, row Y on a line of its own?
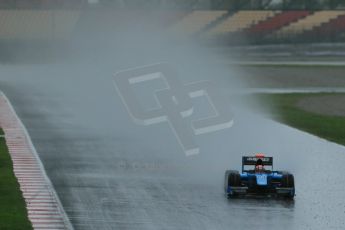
column 259, row 168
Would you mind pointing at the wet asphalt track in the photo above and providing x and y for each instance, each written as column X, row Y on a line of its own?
column 112, row 174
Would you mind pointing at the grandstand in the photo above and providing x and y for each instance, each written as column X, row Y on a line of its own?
column 37, row 24
column 278, row 21
column 43, row 20
column 308, row 23
column 335, row 25
column 196, row 21
column 240, row 21
column 42, row 4
column 264, row 25
column 331, row 30
column 57, row 19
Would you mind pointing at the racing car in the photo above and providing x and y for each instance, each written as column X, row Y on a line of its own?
column 259, row 178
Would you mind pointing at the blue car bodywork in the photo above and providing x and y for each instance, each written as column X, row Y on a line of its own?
column 264, row 182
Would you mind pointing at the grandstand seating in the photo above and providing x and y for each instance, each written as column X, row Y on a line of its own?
column 277, row 22
column 308, row 23
column 240, row 21
column 36, row 24
column 335, row 25
column 196, row 21
column 283, row 26
column 332, row 28
column 42, row 4
column 26, row 24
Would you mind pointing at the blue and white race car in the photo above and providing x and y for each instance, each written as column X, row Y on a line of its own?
column 259, row 178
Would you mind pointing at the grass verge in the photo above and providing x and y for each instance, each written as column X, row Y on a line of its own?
column 285, row 110
column 13, row 213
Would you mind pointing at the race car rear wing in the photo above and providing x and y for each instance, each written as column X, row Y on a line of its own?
column 251, row 160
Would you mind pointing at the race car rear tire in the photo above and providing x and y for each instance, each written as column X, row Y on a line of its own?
column 232, row 178
column 288, row 181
